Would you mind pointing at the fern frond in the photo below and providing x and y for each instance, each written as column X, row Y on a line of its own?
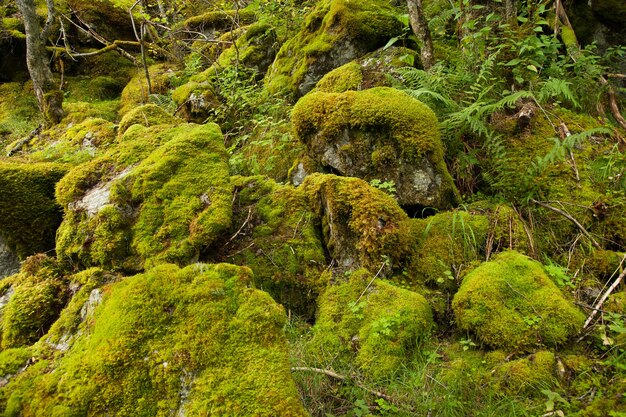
column 556, row 88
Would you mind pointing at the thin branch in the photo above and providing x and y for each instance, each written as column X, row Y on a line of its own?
column 370, row 283
column 570, row 218
column 340, row 377
column 608, row 292
column 242, row 226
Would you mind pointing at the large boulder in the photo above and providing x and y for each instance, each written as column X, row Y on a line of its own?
column 335, row 33
column 162, row 194
column 192, row 341
column 511, row 303
column 378, row 134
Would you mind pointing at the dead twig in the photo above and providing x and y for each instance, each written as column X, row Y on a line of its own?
column 570, row 218
column 608, row 292
column 242, row 226
column 340, row 377
column 23, row 142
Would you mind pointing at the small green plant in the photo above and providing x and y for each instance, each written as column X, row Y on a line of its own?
column 552, row 399
column 467, row 344
column 387, row 186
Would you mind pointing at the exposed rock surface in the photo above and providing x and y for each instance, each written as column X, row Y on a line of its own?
column 9, row 264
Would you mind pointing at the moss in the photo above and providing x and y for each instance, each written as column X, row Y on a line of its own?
column 38, row 297
column 362, row 226
column 379, row 325
column 343, row 132
column 136, row 91
column 198, row 98
column 511, row 303
column 161, row 195
column 282, row 244
column 94, row 88
column 19, row 113
column 11, row 360
column 335, row 32
column 527, row 376
column 345, row 78
column 194, row 340
column 255, row 49
column 29, row 214
column 222, row 19
column 146, row 115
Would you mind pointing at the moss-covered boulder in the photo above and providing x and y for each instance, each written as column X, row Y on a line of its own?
column 277, row 235
column 372, row 322
column 136, row 92
column 193, row 341
column 146, row 115
column 29, row 213
column 380, row 134
column 372, row 70
column 361, row 225
column 335, row 33
column 198, row 98
column 452, row 243
column 511, row 303
column 35, row 298
column 163, row 194
column 255, row 48
column 219, row 20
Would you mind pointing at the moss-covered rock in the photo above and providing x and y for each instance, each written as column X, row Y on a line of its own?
column 511, row 303
column 136, row 91
column 38, row 295
column 372, row 70
column 361, row 225
column 146, row 115
column 526, row 376
column 191, row 341
column 198, row 98
column 162, row 195
column 220, row 19
column 255, row 49
column 277, row 235
column 380, row 134
column 29, row 213
column 373, row 322
column 335, row 33
column 108, row 18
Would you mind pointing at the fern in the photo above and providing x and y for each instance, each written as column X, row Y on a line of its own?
column 556, row 88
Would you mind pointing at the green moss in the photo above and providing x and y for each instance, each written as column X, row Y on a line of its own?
column 362, row 226
column 136, row 91
column 335, row 32
column 29, row 214
column 146, row 115
column 255, row 49
column 38, row 297
column 222, row 19
column 198, row 98
column 194, row 339
column 511, row 303
column 284, row 248
column 527, row 376
column 161, row 195
column 353, row 127
column 345, row 78
column 11, row 360
column 380, row 326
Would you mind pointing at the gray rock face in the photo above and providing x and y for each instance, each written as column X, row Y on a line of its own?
column 9, row 264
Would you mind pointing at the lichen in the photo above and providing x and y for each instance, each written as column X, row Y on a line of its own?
column 190, row 341
column 379, row 326
column 511, row 303
column 29, row 214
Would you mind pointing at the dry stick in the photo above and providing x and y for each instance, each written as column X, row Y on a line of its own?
column 242, row 226
column 340, row 377
column 605, row 295
column 570, row 218
column 370, row 283
column 19, row 145
column 613, row 104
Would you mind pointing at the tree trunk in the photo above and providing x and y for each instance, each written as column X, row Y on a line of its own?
column 420, row 28
column 50, row 99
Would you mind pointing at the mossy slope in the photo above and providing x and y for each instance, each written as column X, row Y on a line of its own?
column 189, row 341
column 162, row 194
column 511, row 303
